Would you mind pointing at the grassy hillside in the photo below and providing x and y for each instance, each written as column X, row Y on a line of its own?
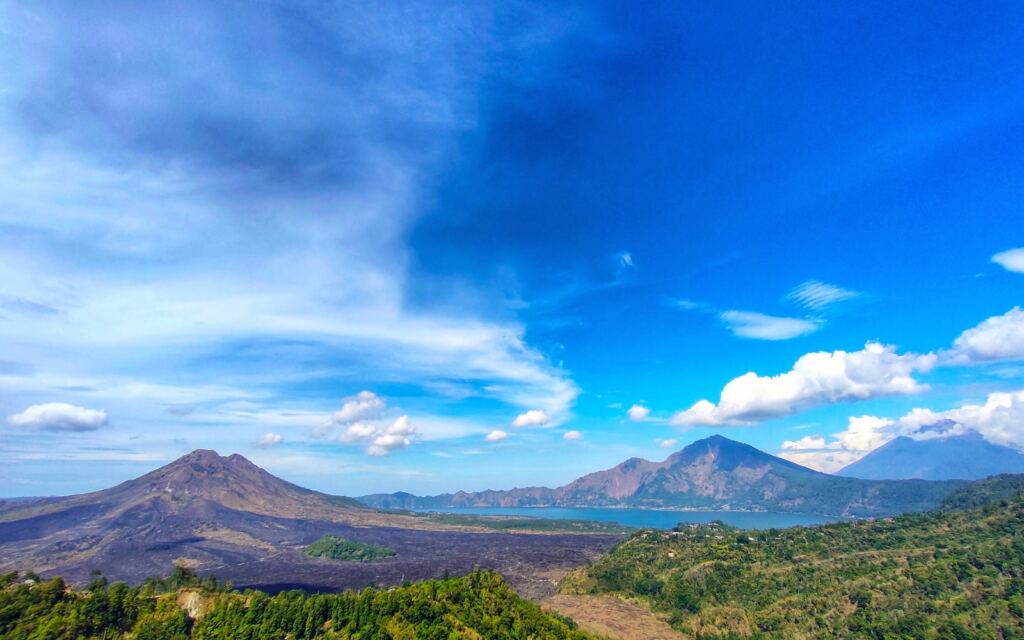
column 947, row 574
column 478, row 605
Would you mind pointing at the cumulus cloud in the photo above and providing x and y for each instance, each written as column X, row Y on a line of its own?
column 816, row 295
column 398, row 436
column 531, row 418
column 759, row 326
column 638, row 413
column 361, row 421
column 815, row 379
column 361, row 406
column 666, row 443
column 862, row 435
column 496, row 435
column 59, row 416
column 269, row 439
column 999, row 419
column 1011, row 259
column 572, row 435
column 995, row 339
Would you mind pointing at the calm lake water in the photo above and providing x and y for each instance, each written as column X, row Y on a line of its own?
column 649, row 518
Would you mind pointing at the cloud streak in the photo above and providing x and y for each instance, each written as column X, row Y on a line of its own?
column 818, row 296
column 759, row 326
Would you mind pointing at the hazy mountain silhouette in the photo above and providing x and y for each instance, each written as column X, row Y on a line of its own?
column 966, row 457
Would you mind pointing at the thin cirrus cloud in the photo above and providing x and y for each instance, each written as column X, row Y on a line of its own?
column 59, row 416
column 814, row 296
column 1011, row 259
column 817, row 296
column 227, row 249
column 760, row 326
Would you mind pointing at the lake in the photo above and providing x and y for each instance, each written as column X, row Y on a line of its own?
column 648, row 518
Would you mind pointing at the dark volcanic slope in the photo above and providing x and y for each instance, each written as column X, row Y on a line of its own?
column 713, row 473
column 227, row 516
column 967, row 457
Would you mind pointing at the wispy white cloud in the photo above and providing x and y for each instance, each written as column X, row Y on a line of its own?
column 759, row 326
column 817, row 296
column 1011, row 259
column 166, row 245
column 572, row 435
column 667, row 443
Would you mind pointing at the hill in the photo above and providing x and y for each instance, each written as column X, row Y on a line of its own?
column 478, row 605
column 966, row 457
column 985, row 491
column 713, row 473
column 944, row 574
column 226, row 515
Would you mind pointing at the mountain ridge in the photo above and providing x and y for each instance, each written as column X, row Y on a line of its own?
column 965, row 457
column 711, row 473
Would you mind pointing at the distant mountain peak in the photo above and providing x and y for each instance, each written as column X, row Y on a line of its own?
column 967, row 456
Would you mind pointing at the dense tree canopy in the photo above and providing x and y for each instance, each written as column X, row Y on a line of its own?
column 478, row 605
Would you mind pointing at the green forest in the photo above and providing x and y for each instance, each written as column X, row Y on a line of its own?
column 478, row 605
column 337, row 548
column 948, row 574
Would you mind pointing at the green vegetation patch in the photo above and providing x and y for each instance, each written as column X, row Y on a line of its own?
column 338, row 548
column 478, row 605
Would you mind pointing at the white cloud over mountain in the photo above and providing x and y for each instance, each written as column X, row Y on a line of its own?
column 1000, row 419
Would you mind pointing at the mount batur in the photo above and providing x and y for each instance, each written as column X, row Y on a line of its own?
column 225, row 515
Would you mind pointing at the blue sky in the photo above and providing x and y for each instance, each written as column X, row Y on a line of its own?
column 440, row 246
